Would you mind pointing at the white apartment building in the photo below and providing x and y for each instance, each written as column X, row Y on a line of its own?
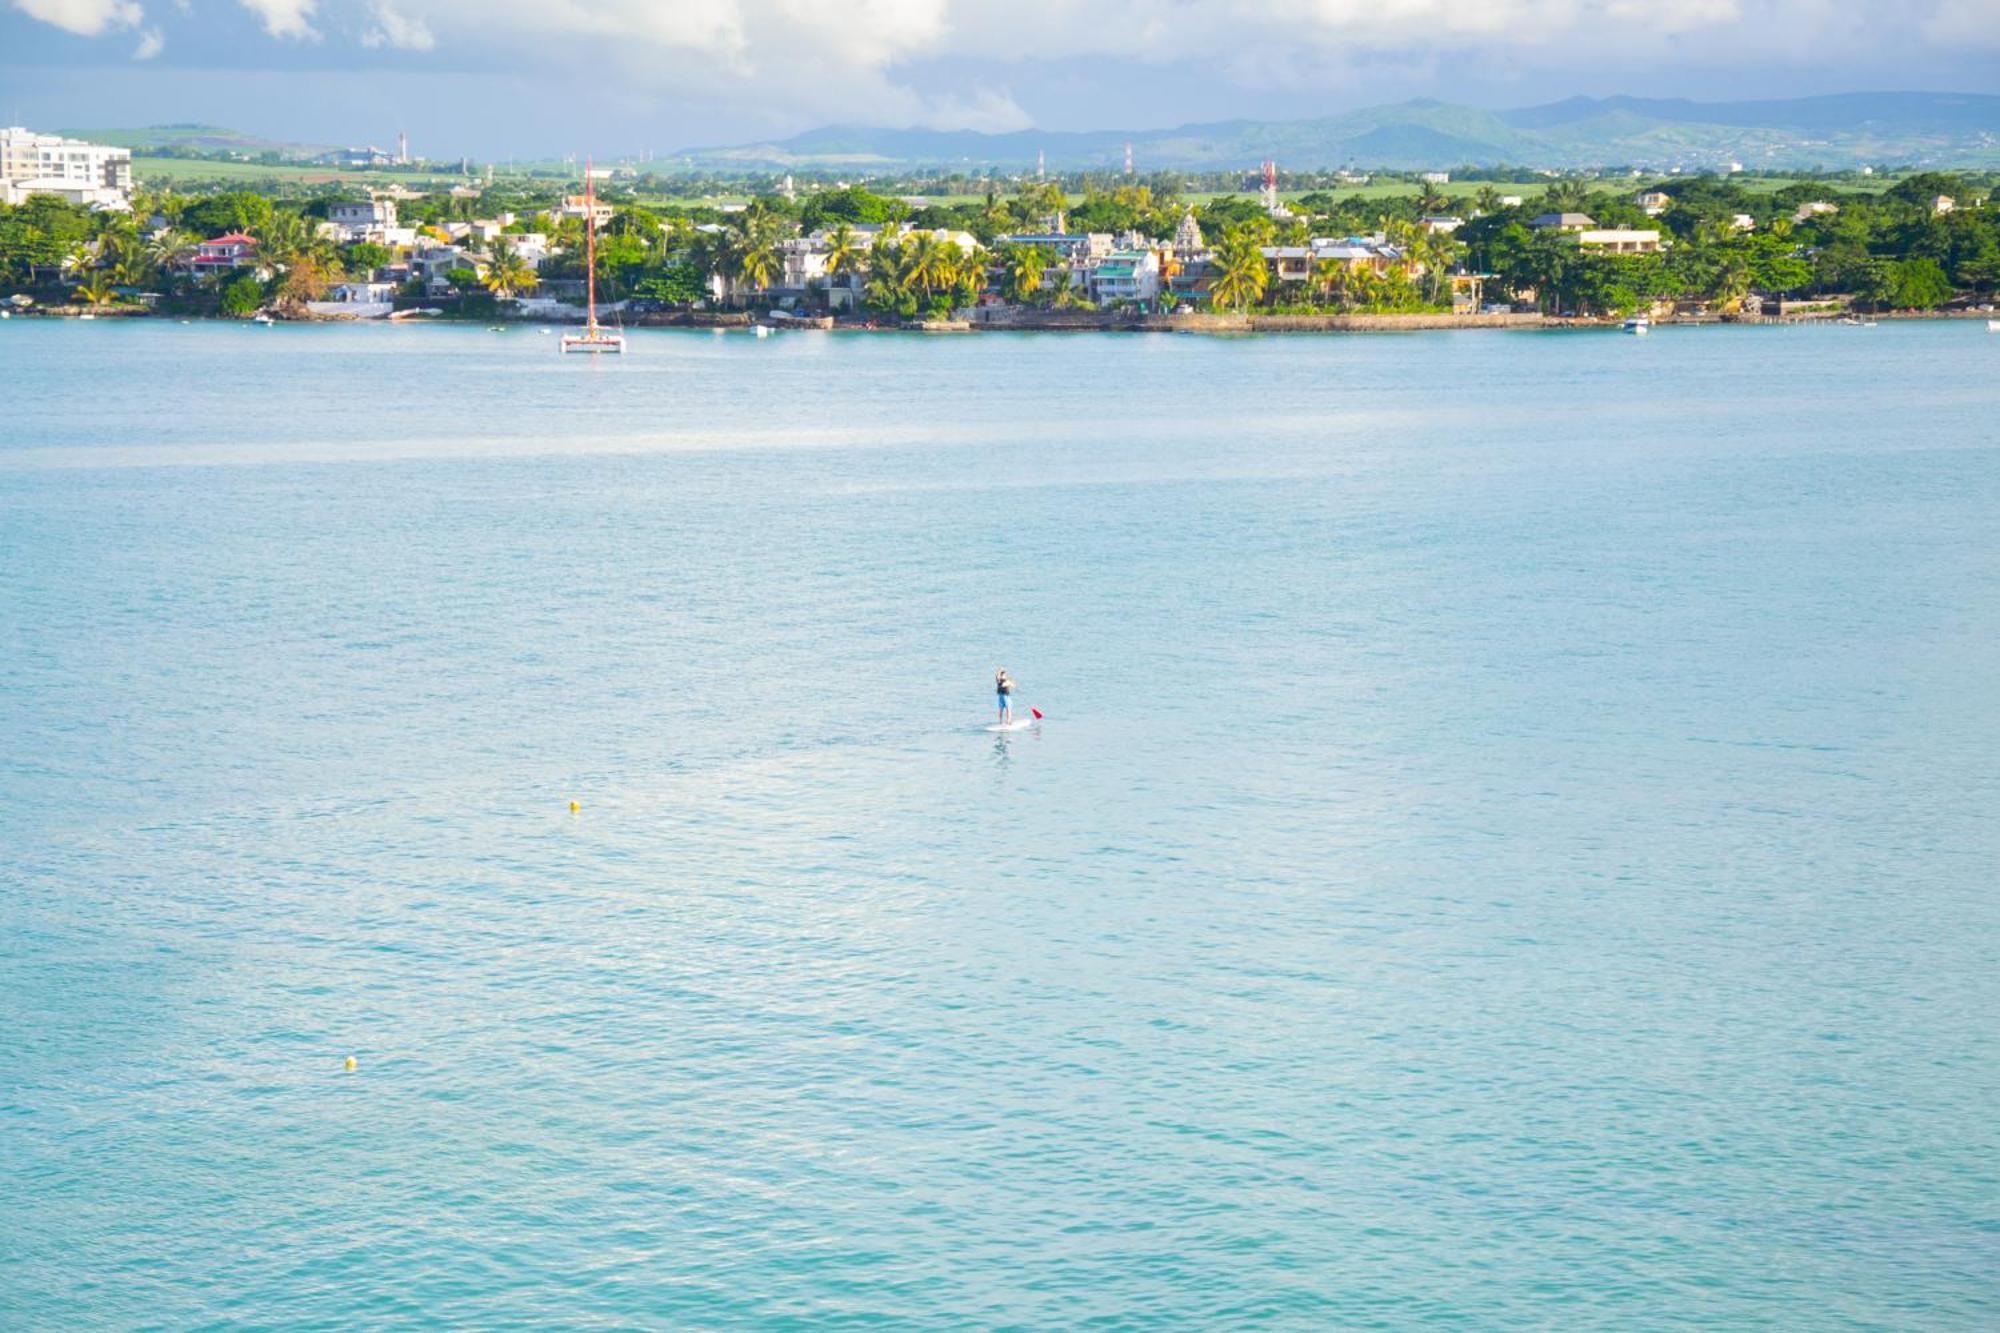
column 363, row 220
column 83, row 173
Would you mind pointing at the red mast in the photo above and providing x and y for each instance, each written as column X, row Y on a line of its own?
column 590, row 240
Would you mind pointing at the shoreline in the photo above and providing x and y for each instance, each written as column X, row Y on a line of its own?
column 1013, row 321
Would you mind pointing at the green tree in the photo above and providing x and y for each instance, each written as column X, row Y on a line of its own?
column 1241, row 273
column 851, row 204
column 367, row 256
column 845, row 255
column 242, row 297
column 1022, row 268
column 1918, row 284
column 506, row 272
column 237, row 211
column 96, row 289
column 756, row 262
column 676, row 284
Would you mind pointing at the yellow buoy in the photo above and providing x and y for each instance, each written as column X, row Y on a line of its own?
column 350, row 1064
column 574, row 807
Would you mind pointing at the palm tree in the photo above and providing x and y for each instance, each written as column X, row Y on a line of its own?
column 506, row 272
column 888, row 286
column 925, row 264
column 168, row 247
column 756, row 262
column 1431, row 200
column 96, row 289
column 1068, row 294
column 1729, row 283
column 1568, row 196
column 994, row 214
column 1021, row 268
column 1242, row 274
column 284, row 238
column 754, row 248
column 844, row 254
column 1333, row 280
column 1487, row 200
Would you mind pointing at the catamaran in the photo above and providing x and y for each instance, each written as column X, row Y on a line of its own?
column 593, row 338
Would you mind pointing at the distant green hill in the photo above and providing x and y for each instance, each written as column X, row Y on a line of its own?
column 202, row 138
column 1844, row 130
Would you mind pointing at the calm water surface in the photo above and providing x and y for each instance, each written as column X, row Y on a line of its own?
column 1513, row 843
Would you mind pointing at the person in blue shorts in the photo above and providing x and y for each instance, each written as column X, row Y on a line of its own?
column 1003, row 685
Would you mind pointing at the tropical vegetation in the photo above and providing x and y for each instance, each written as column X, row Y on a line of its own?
column 1724, row 239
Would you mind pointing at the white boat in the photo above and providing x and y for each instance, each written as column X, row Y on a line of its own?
column 1638, row 324
column 1993, row 326
column 763, row 330
column 261, row 319
column 593, row 338
column 86, row 315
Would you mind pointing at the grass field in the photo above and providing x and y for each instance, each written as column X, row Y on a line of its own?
column 181, row 172
column 185, row 173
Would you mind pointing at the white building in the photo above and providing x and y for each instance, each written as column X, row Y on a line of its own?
column 97, row 175
column 363, row 220
column 575, row 206
column 1812, row 209
column 1125, row 275
column 1619, row 240
column 1188, row 244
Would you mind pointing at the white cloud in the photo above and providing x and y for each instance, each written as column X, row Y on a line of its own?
column 785, row 64
column 151, row 43
column 792, row 62
column 392, row 29
column 85, row 18
column 291, row 19
column 1974, row 23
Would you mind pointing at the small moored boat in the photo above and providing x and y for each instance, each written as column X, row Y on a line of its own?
column 1638, row 324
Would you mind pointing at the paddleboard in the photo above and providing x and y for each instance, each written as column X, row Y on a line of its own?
column 1018, row 724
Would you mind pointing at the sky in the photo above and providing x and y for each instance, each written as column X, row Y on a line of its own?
column 532, row 78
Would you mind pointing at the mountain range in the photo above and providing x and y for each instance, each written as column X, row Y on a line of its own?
column 1840, row 130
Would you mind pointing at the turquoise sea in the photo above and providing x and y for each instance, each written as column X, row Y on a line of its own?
column 1512, row 845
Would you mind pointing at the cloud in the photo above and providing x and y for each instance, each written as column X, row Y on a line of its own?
column 773, row 66
column 290, row 19
column 1974, row 23
column 151, row 43
column 85, row 18
column 393, row 30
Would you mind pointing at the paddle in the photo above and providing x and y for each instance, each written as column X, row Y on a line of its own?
column 1037, row 712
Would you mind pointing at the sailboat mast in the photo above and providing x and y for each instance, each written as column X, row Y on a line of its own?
column 590, row 240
